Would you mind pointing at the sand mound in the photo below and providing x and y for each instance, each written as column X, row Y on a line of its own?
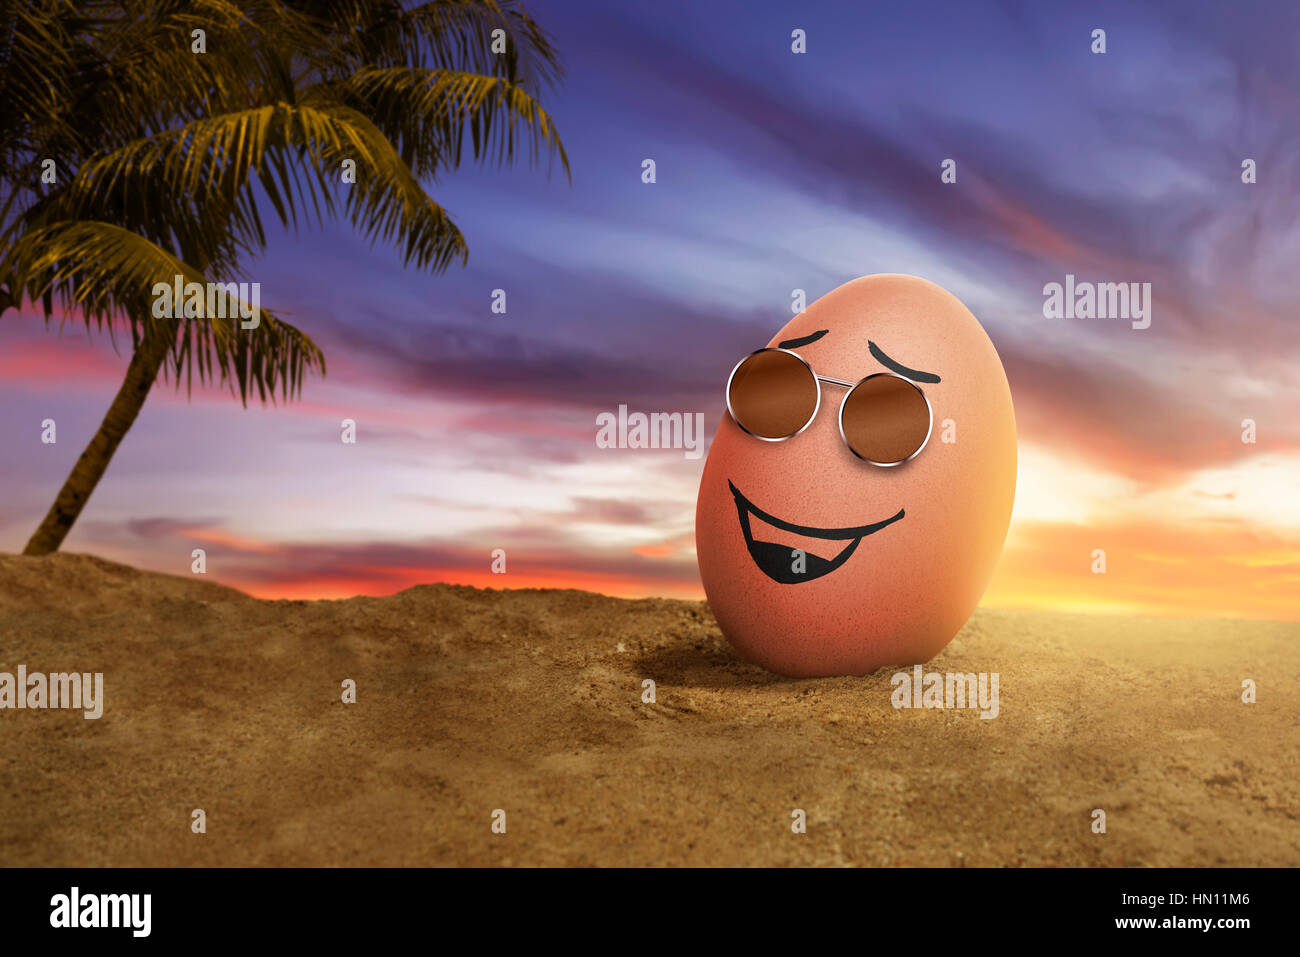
column 470, row 701
column 88, row 585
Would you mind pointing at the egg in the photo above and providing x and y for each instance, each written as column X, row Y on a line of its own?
column 839, row 539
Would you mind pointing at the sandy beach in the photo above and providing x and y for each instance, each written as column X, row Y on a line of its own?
column 469, row 701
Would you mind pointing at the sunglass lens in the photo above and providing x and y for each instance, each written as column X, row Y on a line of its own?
column 885, row 419
column 773, row 394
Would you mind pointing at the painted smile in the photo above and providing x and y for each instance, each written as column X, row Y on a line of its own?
column 778, row 562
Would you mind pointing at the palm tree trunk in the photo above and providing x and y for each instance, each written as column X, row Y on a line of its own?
column 140, row 375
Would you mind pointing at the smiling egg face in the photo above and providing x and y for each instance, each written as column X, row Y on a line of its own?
column 819, row 556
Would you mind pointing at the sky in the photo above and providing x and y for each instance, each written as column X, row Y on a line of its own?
column 775, row 171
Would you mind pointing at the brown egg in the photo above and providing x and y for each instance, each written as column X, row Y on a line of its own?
column 817, row 561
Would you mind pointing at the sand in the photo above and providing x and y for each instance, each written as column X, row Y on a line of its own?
column 530, row 702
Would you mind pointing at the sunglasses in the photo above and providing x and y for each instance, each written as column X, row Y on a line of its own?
column 774, row 394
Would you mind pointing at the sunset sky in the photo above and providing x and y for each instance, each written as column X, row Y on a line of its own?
column 775, row 171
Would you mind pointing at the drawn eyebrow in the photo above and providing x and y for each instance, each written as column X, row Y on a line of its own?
column 803, row 341
column 898, row 367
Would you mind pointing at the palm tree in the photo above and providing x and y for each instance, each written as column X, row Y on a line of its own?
column 136, row 136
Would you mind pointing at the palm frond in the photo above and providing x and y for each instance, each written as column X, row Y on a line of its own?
column 101, row 270
column 164, row 155
column 426, row 113
column 192, row 188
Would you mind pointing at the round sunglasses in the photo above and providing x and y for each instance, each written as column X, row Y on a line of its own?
column 774, row 394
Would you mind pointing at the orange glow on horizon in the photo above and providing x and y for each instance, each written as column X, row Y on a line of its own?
column 1045, row 568
column 390, row 581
